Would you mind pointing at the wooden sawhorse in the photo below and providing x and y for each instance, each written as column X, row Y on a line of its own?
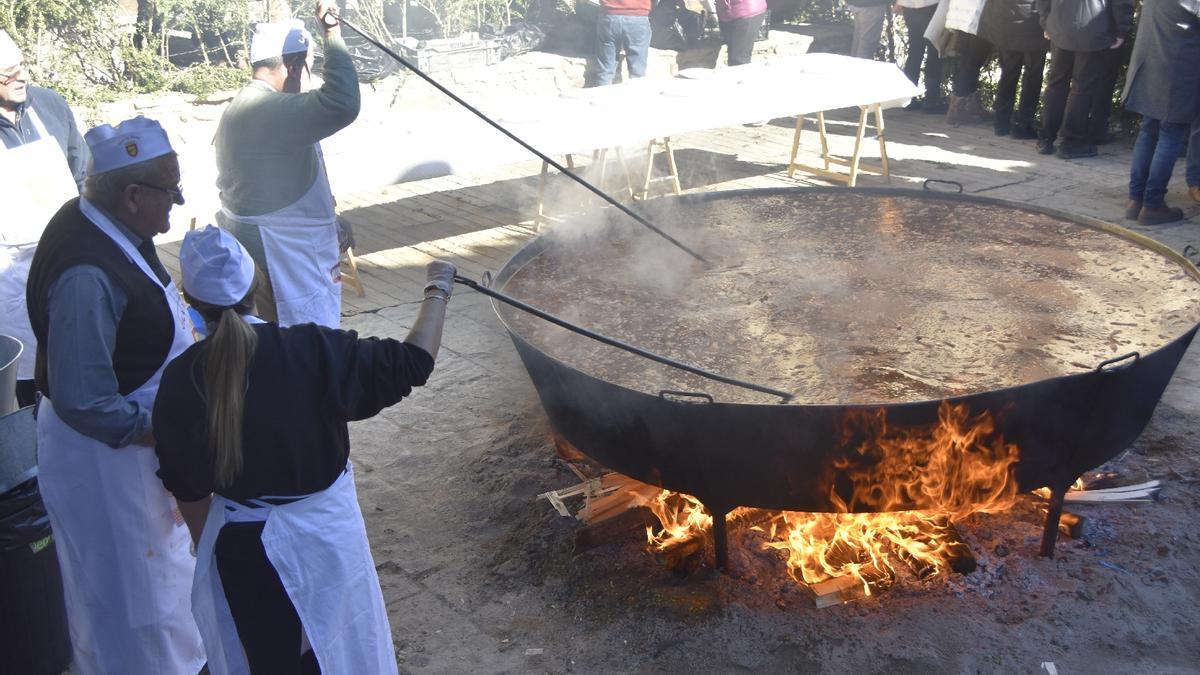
column 601, row 156
column 854, row 162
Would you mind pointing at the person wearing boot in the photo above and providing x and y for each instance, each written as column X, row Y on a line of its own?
column 965, row 105
column 869, row 16
column 1013, row 27
column 917, row 14
column 1102, row 104
column 1163, row 84
column 1193, row 162
column 1085, row 36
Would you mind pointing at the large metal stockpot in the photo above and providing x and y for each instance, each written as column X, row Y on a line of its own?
column 789, row 456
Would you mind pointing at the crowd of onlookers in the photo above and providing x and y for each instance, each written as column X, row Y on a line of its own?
column 1086, row 41
column 951, row 43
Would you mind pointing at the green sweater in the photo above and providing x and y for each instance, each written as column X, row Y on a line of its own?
column 265, row 142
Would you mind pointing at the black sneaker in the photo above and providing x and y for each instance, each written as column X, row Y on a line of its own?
column 1077, row 151
column 915, row 105
column 1002, row 131
column 1045, row 147
column 1024, row 132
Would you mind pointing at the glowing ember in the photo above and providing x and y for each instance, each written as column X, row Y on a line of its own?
column 954, row 468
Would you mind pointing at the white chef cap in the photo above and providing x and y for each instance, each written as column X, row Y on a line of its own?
column 133, row 141
column 273, row 40
column 216, row 268
column 10, row 53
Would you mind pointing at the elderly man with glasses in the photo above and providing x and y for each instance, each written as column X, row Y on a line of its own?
column 42, row 159
column 108, row 319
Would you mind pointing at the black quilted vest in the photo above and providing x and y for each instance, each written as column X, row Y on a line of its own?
column 145, row 330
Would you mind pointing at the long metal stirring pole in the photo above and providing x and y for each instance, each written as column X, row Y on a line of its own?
column 544, row 157
column 613, row 342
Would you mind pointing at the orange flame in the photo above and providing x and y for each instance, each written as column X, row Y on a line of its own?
column 953, row 468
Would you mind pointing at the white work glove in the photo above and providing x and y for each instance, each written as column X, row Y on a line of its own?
column 439, row 279
column 327, row 18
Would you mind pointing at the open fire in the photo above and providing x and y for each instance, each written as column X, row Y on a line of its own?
column 960, row 465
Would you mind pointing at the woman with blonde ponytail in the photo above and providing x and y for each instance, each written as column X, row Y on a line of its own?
column 253, row 443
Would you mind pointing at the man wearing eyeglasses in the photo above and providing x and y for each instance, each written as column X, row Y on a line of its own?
column 42, row 160
column 275, row 194
column 108, row 318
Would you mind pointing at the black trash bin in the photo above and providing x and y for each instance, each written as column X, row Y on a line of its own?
column 33, row 618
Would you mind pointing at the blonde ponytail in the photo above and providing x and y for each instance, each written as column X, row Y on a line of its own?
column 228, row 353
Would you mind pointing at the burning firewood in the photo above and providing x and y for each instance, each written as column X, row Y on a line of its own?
column 1140, row 493
column 614, row 506
column 1071, row 525
column 623, row 524
column 837, row 591
column 1130, row 494
column 622, row 493
column 682, row 555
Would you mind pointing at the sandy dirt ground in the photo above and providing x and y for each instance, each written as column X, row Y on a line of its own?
column 480, row 576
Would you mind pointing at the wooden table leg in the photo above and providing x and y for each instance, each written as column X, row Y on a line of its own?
column 541, row 199
column 645, row 193
column 603, row 167
column 862, row 127
column 883, row 158
column 625, row 170
column 671, row 165
column 795, row 145
column 824, row 139
column 353, row 276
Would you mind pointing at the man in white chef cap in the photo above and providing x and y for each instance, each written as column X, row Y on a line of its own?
column 108, row 318
column 42, row 159
column 275, row 195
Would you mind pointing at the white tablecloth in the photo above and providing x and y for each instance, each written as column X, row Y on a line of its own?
column 432, row 143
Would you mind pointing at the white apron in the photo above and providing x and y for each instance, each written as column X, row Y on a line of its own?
column 122, row 546
column 301, row 247
column 38, row 182
column 319, row 547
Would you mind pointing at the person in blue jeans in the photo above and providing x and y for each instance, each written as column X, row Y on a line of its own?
column 1163, row 85
column 1193, row 162
column 623, row 25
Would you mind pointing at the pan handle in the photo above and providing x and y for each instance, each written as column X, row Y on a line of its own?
column 1104, row 365
column 683, row 396
column 936, row 181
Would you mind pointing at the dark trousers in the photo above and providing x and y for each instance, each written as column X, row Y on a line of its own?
column 26, row 393
column 1193, row 156
column 1102, row 102
column 739, row 35
column 973, row 53
column 1158, row 145
column 1027, row 68
column 917, row 20
column 1074, row 81
column 266, row 620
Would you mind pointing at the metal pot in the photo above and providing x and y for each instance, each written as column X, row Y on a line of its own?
column 784, row 456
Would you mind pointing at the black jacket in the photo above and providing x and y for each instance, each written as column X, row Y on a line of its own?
column 1164, row 73
column 1085, row 25
column 1012, row 25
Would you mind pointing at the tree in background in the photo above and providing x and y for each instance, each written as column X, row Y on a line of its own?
column 93, row 50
